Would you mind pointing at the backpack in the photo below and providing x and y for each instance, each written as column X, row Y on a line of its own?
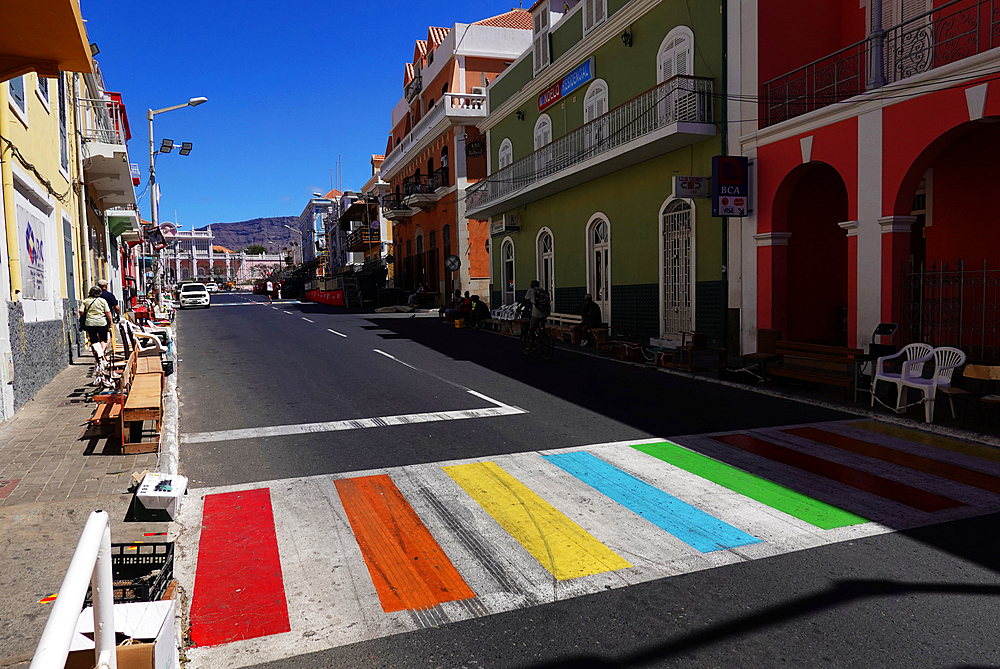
column 542, row 301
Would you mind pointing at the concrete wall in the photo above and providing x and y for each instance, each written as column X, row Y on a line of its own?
column 40, row 351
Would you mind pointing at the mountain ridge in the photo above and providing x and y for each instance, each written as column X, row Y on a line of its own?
column 267, row 231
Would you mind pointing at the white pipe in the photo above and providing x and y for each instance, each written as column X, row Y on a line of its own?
column 91, row 561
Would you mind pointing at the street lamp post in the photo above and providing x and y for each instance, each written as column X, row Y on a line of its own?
column 299, row 233
column 154, row 205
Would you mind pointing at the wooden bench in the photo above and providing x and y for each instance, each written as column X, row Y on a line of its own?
column 139, row 399
column 561, row 325
column 830, row 365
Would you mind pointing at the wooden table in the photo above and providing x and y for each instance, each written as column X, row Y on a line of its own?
column 144, row 402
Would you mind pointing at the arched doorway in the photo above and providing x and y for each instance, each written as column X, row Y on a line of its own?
column 817, row 256
column 507, row 269
column 951, row 286
column 599, row 263
column 677, row 266
column 545, row 261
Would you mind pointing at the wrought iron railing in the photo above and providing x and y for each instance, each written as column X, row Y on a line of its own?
column 393, row 201
column 943, row 35
column 102, row 121
column 954, row 306
column 679, row 99
column 363, row 236
column 418, row 184
column 450, row 104
column 413, row 88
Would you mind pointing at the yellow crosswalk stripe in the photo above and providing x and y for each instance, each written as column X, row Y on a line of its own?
column 564, row 548
column 927, row 439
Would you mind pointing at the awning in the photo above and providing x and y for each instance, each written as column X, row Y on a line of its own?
column 45, row 36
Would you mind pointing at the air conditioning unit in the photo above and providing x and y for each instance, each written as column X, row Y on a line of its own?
column 479, row 90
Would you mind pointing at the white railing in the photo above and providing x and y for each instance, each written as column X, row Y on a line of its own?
column 680, row 99
column 102, row 121
column 450, row 104
column 91, row 564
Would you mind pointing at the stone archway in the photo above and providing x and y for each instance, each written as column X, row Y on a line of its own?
column 809, row 207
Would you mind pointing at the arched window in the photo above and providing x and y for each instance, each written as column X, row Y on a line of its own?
column 409, row 248
column 430, row 104
column 446, row 236
column 674, row 58
column 674, row 55
column 599, row 263
column 444, row 89
column 432, row 239
column 543, row 131
column 430, row 172
column 506, row 155
column 444, row 177
column 507, row 270
column 543, row 137
column 545, row 261
column 420, row 243
column 676, row 247
column 595, row 106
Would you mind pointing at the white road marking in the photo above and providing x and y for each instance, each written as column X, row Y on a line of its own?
column 500, row 409
column 392, row 357
column 306, row 320
column 335, row 332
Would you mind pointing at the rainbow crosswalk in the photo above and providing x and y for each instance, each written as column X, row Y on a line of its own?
column 295, row 566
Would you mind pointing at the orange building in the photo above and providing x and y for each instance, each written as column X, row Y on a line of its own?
column 435, row 151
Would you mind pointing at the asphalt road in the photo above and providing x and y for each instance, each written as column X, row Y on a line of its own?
column 919, row 598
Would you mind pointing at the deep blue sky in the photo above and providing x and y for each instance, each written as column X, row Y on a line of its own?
column 290, row 85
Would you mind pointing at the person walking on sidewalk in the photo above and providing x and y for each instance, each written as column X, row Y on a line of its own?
column 95, row 318
column 110, row 298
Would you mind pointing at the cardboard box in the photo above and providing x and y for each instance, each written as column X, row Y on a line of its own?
column 162, row 491
column 150, row 624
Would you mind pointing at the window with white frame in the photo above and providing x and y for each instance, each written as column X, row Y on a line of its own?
column 543, row 137
column 599, row 263
column 63, row 128
column 43, row 88
column 16, row 87
column 540, row 36
column 594, row 13
column 595, row 106
column 506, row 155
column 674, row 55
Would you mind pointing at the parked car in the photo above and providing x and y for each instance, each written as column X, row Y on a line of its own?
column 212, row 287
column 195, row 295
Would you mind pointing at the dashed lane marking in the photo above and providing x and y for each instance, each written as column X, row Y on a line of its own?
column 307, row 320
column 336, row 333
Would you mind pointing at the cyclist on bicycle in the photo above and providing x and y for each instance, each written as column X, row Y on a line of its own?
column 540, row 302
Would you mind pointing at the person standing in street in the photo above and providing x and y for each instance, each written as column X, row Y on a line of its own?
column 110, row 298
column 269, row 289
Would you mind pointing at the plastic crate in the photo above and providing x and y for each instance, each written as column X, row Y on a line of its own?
column 141, row 571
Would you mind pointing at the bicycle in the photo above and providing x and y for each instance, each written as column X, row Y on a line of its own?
column 539, row 339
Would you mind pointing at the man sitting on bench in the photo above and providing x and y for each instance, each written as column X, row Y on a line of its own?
column 590, row 314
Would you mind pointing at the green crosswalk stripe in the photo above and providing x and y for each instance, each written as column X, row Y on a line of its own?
column 813, row 511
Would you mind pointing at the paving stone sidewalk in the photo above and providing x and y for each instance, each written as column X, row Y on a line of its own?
column 60, row 479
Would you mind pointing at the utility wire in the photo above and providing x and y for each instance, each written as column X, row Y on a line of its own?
column 64, row 197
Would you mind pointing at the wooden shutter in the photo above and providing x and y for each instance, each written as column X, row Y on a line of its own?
column 588, row 15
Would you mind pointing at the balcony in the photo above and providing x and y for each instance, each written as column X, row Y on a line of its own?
column 104, row 130
column 362, row 239
column 395, row 208
column 941, row 36
column 413, row 88
column 456, row 108
column 123, row 219
column 675, row 114
column 423, row 190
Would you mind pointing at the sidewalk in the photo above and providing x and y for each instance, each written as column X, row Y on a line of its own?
column 50, row 481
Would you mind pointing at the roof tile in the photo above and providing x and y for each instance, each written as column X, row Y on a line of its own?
column 515, row 18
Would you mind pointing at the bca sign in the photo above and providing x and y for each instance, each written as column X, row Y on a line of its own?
column 730, row 186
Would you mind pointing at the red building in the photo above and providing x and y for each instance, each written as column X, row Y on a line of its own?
column 435, row 151
column 875, row 143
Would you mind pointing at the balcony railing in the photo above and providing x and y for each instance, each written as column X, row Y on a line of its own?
column 102, row 121
column 418, row 184
column 393, row 202
column 943, row 35
column 413, row 88
column 457, row 105
column 679, row 99
column 363, row 237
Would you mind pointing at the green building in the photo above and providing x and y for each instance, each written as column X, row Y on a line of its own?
column 586, row 133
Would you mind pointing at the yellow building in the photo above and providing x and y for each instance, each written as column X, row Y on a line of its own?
column 65, row 171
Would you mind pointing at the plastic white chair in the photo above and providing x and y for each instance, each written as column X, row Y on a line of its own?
column 946, row 360
column 913, row 368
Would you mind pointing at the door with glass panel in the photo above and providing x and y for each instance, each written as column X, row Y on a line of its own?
column 546, row 264
column 599, row 266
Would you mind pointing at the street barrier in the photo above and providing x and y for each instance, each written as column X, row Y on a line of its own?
column 92, row 558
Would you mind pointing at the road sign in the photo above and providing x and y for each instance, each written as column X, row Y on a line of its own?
column 730, row 186
column 452, row 263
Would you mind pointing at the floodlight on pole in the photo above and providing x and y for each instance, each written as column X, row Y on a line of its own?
column 166, row 145
column 153, row 200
